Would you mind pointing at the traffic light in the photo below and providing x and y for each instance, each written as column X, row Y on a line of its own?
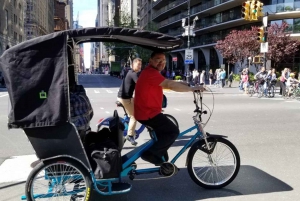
column 260, row 9
column 261, row 35
column 246, row 10
column 253, row 10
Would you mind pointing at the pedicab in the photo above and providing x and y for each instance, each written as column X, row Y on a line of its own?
column 38, row 72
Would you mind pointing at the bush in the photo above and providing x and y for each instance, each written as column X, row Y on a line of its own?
column 178, row 77
column 236, row 77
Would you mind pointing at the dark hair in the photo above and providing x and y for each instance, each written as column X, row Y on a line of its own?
column 155, row 53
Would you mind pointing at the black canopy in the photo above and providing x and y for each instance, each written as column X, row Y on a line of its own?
column 36, row 71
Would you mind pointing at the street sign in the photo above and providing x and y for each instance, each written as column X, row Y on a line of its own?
column 265, row 21
column 189, row 56
column 264, row 47
column 174, row 58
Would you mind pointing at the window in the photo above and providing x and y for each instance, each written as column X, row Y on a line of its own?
column 15, row 3
column 6, row 19
column 20, row 38
column 20, row 7
column 15, row 36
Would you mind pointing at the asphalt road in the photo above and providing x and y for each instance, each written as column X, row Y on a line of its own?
column 265, row 132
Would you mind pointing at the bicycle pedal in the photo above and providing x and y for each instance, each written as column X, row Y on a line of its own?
column 168, row 169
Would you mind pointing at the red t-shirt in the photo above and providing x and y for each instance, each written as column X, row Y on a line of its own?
column 148, row 94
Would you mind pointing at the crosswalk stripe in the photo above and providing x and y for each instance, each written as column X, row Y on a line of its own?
column 96, row 91
column 109, row 91
column 16, row 168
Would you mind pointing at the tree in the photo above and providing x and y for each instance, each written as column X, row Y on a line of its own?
column 281, row 46
column 238, row 45
column 123, row 51
column 144, row 53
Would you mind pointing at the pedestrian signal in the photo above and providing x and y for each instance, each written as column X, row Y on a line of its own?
column 261, row 34
column 246, row 10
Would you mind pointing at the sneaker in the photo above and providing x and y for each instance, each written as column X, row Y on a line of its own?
column 131, row 140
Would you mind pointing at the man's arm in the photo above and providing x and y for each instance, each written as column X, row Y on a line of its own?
column 179, row 86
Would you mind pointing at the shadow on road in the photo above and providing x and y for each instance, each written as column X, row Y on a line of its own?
column 249, row 181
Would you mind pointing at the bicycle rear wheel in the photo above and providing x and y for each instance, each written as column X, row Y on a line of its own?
column 214, row 170
column 271, row 91
column 172, row 119
column 260, row 91
column 59, row 179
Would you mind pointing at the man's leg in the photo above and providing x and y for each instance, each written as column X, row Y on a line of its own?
column 129, row 107
column 166, row 132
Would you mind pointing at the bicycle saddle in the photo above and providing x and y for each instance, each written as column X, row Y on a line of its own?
column 119, row 104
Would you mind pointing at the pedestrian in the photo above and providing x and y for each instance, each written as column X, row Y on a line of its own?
column 202, row 77
column 173, row 75
column 147, row 107
column 282, row 82
column 222, row 77
column 230, row 78
column 211, row 76
column 125, row 96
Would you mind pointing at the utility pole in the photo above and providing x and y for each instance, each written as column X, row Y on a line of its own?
column 188, row 31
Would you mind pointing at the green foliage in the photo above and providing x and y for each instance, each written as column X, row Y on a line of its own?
column 236, row 77
column 144, row 53
column 251, row 76
column 178, row 77
column 121, row 50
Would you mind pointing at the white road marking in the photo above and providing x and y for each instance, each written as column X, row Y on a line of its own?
column 107, row 112
column 109, row 91
column 96, row 91
column 16, row 169
column 3, row 95
column 177, row 109
column 101, row 108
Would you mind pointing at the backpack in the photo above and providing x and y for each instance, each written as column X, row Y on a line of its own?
column 108, row 160
column 104, row 149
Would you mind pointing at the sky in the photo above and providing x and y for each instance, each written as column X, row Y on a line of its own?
column 87, row 16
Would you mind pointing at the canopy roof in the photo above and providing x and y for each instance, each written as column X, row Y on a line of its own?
column 36, row 71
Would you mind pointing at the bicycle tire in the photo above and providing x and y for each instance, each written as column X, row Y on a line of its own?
column 56, row 168
column 250, row 91
column 260, row 91
column 173, row 119
column 271, row 92
column 211, row 166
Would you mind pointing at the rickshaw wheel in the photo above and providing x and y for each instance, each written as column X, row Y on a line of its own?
column 61, row 177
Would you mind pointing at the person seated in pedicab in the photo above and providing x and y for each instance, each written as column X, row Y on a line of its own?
column 148, row 103
column 81, row 110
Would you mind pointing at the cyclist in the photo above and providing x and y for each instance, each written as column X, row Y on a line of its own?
column 292, row 83
column 125, row 96
column 147, row 107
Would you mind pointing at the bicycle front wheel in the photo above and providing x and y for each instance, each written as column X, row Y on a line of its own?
column 214, row 170
column 172, row 119
column 59, row 179
column 251, row 91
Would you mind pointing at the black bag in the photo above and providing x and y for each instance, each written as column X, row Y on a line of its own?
column 108, row 160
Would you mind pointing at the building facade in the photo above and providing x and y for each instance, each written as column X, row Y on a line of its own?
column 11, row 23
column 63, row 15
column 39, row 18
column 216, row 18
